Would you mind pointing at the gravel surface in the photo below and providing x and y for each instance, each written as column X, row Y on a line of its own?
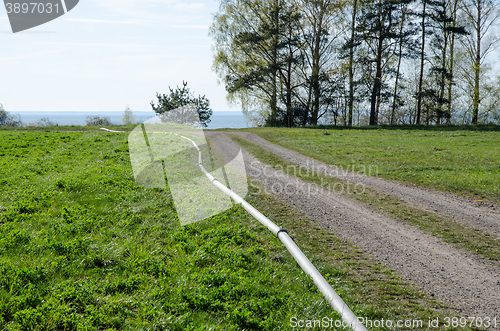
column 451, row 275
column 484, row 217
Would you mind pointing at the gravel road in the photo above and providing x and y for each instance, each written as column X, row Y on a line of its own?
column 451, row 275
column 484, row 217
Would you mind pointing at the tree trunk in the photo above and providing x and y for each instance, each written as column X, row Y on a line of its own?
column 442, row 83
column 316, row 72
column 376, row 86
column 274, row 97
column 477, row 65
column 450, row 82
column 400, row 55
column 351, row 62
column 289, row 96
column 274, row 102
column 452, row 62
column 422, row 59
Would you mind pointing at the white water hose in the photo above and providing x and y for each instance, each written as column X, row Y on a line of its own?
column 333, row 298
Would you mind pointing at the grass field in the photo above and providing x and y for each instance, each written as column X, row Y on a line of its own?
column 82, row 247
column 463, row 161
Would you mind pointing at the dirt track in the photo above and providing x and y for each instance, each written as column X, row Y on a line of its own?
column 453, row 276
column 484, row 217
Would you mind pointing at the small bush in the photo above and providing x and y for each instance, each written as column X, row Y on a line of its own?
column 42, row 123
column 98, row 121
column 3, row 114
column 14, row 121
column 7, row 119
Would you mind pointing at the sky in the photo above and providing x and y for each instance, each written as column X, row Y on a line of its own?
column 105, row 55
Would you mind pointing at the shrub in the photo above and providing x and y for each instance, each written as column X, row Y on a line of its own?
column 98, row 121
column 3, row 114
column 42, row 123
column 180, row 100
column 7, row 119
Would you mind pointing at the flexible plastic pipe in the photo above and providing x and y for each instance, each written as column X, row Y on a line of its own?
column 108, row 130
column 333, row 298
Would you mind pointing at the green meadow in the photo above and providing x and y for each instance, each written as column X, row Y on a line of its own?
column 464, row 161
column 82, row 247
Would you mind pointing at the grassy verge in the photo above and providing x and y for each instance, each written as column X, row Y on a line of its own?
column 449, row 231
column 464, row 162
column 82, row 247
column 68, row 128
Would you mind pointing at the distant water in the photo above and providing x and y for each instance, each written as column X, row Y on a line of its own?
column 229, row 119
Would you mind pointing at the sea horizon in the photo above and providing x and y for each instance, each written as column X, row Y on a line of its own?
column 219, row 119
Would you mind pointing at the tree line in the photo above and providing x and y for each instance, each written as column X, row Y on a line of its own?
column 355, row 62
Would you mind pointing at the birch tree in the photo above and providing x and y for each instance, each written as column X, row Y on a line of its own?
column 481, row 15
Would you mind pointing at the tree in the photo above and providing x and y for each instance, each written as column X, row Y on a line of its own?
column 406, row 49
column 246, row 50
column 423, row 26
column 481, row 16
column 453, row 5
column 440, row 25
column 181, row 97
column 318, row 30
column 443, row 25
column 378, row 28
column 351, row 46
column 257, row 54
column 128, row 116
column 290, row 57
column 7, row 119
